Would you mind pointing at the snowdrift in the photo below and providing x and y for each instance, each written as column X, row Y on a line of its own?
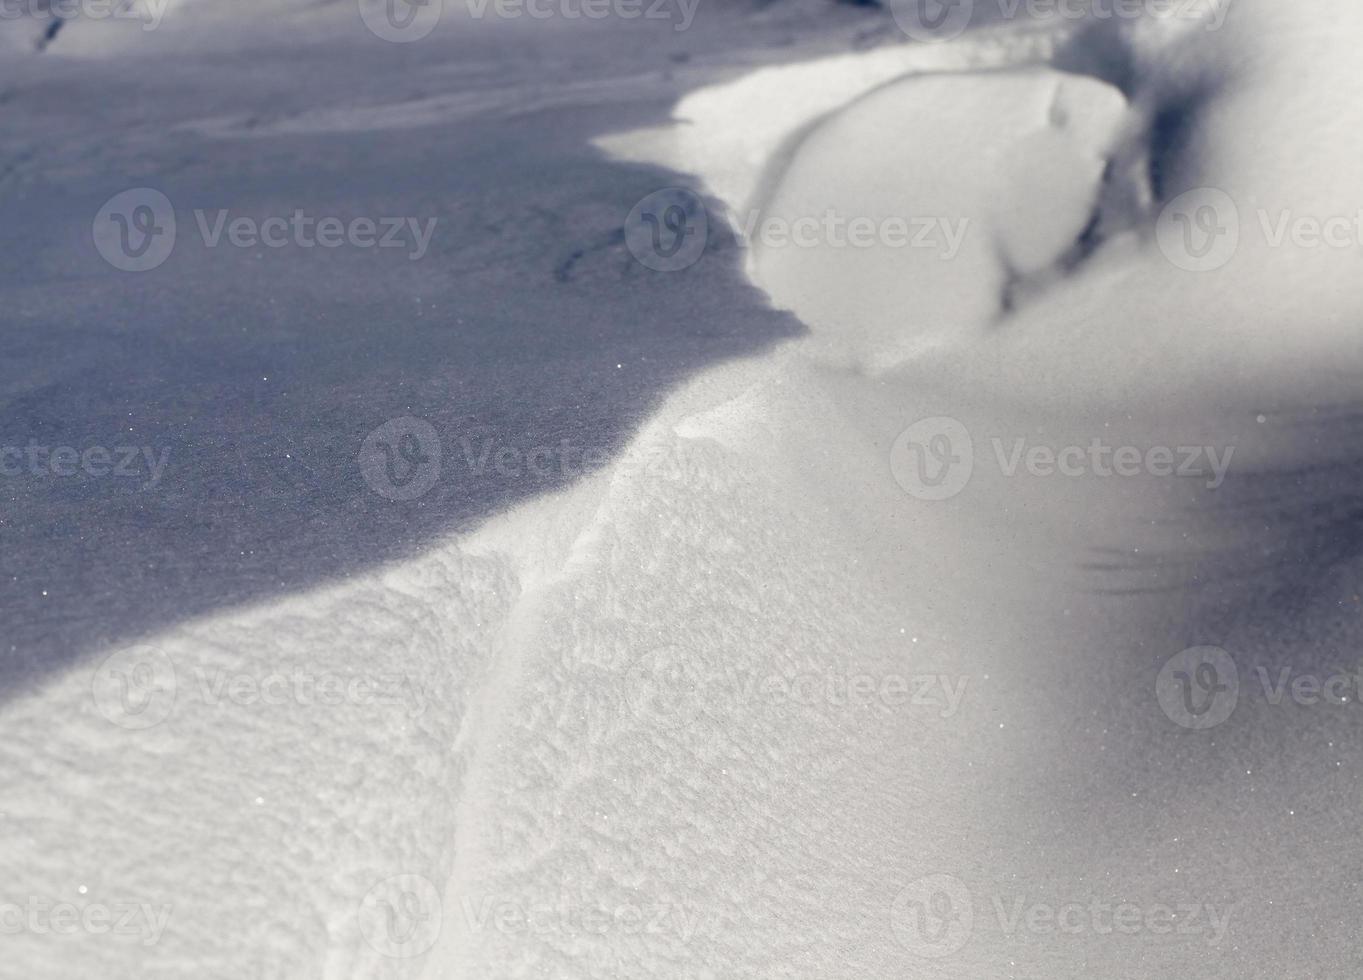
column 722, row 709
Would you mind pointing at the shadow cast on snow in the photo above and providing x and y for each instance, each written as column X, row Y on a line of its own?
column 254, row 375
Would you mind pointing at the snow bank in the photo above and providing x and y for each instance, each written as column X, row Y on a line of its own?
column 791, row 833
column 659, row 737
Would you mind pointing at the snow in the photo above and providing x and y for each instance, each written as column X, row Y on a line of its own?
column 722, row 707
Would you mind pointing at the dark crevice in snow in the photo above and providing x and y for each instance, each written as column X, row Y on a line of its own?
column 1090, row 237
column 53, row 29
column 1099, row 51
column 1018, row 286
column 563, row 272
column 1014, row 283
column 1167, row 131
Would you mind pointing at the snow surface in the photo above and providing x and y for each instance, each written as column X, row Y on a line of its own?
column 593, row 733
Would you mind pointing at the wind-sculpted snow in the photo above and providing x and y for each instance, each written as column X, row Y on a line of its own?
column 272, row 768
column 777, row 692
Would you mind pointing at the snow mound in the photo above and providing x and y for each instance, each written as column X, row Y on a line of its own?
column 925, row 167
column 723, row 710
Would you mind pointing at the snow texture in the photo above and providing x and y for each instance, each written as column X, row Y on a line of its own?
column 594, row 729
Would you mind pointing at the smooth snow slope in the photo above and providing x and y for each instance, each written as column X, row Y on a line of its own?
column 610, row 777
